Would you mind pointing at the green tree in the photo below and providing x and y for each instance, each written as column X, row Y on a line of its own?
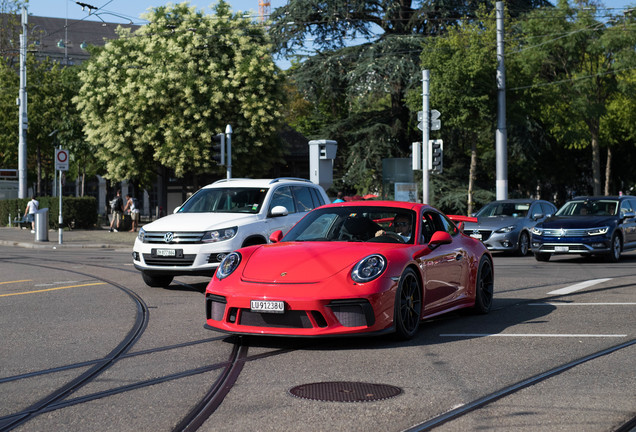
column 156, row 97
column 366, row 61
column 462, row 66
column 570, row 59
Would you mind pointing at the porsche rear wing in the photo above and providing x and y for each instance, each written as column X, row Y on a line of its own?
column 460, row 220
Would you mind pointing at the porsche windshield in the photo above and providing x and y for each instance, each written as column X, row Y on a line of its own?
column 225, row 200
column 589, row 208
column 357, row 224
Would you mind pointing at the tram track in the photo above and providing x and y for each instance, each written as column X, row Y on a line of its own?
column 483, row 401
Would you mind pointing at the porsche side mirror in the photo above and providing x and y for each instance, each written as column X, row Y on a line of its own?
column 440, row 238
column 276, row 236
column 279, row 211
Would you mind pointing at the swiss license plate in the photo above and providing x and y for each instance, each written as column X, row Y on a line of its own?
column 561, row 248
column 166, row 252
column 477, row 236
column 267, row 306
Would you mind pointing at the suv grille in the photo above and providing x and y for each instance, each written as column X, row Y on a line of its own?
column 562, row 232
column 177, row 237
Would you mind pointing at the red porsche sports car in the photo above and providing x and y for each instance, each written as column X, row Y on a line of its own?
column 350, row 268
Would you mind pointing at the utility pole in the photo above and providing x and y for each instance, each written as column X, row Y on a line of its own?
column 425, row 133
column 228, row 139
column 23, row 122
column 501, row 139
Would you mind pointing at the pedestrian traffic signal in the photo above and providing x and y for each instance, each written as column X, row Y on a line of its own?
column 218, row 149
column 435, row 155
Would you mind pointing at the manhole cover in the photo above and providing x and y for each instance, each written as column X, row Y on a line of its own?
column 345, row 391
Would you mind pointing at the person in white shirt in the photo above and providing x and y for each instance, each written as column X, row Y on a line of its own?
column 29, row 212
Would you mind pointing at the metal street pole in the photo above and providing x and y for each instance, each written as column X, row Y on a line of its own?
column 425, row 133
column 59, row 228
column 501, row 139
column 228, row 140
column 22, row 112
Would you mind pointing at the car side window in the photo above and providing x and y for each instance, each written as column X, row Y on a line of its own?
column 626, row 206
column 433, row 221
column 318, row 200
column 283, row 197
column 302, row 198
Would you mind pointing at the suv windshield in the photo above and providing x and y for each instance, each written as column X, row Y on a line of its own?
column 504, row 209
column 225, row 200
column 589, row 208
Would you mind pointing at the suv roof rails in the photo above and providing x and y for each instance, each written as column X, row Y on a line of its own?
column 289, row 178
column 230, row 179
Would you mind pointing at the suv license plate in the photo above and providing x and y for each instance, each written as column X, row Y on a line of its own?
column 561, row 249
column 267, row 306
column 166, row 252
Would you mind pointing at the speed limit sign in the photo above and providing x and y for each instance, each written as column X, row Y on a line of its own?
column 61, row 160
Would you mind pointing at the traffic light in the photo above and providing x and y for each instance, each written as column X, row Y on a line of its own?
column 218, row 149
column 435, row 155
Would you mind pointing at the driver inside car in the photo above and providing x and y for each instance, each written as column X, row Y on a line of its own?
column 402, row 227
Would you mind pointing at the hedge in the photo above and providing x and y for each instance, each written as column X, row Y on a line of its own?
column 76, row 212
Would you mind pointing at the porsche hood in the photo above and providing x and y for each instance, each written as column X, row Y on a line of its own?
column 303, row 262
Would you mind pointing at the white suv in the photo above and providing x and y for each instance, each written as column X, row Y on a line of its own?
column 218, row 219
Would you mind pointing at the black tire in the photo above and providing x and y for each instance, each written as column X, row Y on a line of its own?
column 542, row 256
column 484, row 286
column 616, row 246
column 408, row 305
column 157, row 281
column 524, row 244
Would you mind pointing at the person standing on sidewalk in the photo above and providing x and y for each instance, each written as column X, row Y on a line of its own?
column 131, row 206
column 117, row 209
column 29, row 212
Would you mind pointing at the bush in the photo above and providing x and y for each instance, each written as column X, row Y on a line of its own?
column 76, row 212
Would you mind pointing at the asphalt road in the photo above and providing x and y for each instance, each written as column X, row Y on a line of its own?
column 66, row 313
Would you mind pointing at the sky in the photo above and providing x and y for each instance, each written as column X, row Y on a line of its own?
column 132, row 9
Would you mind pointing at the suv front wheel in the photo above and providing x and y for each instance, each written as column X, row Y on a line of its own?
column 157, row 281
column 615, row 249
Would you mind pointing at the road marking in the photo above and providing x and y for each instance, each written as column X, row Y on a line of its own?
column 54, row 283
column 8, row 282
column 581, row 304
column 532, row 335
column 52, row 289
column 579, row 286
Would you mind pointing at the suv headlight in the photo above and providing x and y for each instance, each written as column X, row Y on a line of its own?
column 368, row 268
column 228, row 265
column 219, row 235
column 506, row 229
column 537, row 231
column 598, row 231
column 142, row 235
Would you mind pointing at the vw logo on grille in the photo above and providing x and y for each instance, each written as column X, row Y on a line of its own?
column 168, row 237
column 562, row 233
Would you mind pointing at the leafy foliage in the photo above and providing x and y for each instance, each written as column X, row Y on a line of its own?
column 156, row 97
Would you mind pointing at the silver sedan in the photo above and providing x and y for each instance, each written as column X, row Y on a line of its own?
column 505, row 225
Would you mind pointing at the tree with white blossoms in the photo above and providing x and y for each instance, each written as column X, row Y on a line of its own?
column 155, row 97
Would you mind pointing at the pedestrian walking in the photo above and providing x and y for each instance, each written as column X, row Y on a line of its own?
column 30, row 210
column 117, row 210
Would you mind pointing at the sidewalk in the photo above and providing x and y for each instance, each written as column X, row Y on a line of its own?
column 97, row 238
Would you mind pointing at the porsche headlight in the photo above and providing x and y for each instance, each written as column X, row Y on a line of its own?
column 219, row 235
column 537, row 231
column 598, row 231
column 142, row 235
column 228, row 265
column 368, row 268
column 506, row 229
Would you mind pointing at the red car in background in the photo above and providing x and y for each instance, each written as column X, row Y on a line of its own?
column 351, row 268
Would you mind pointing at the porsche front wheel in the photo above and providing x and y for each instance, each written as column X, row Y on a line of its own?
column 408, row 305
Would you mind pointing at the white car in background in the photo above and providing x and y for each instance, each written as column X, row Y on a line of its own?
column 218, row 219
